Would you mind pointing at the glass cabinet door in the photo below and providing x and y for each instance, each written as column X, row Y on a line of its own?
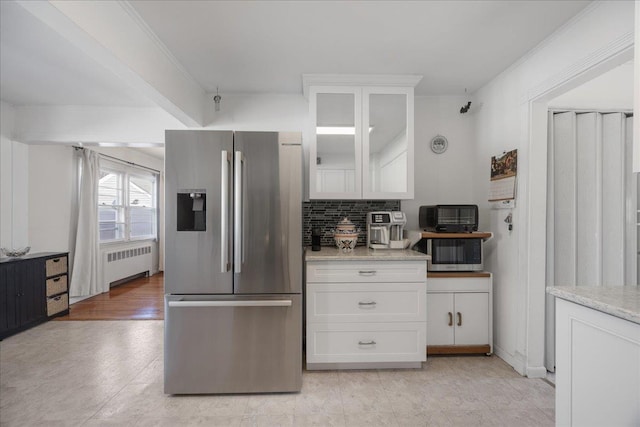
column 335, row 154
column 388, row 144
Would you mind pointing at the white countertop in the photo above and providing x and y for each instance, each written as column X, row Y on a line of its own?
column 619, row 301
column 362, row 253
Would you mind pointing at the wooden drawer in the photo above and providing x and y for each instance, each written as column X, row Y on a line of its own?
column 361, row 272
column 56, row 285
column 366, row 302
column 57, row 304
column 55, row 266
column 366, row 342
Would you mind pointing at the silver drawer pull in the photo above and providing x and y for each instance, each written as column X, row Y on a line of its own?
column 370, row 342
column 231, row 303
column 367, row 303
column 367, row 272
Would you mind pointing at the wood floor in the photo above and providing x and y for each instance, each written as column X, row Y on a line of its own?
column 140, row 299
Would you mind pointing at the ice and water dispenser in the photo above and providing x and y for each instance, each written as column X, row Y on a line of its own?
column 192, row 210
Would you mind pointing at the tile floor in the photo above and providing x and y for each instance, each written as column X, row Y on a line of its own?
column 109, row 373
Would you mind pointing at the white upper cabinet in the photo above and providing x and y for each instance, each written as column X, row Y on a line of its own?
column 337, row 143
column 362, row 140
column 387, row 162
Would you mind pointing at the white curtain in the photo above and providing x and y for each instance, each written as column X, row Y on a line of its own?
column 84, row 280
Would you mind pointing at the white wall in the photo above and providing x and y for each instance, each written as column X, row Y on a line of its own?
column 604, row 30
column 87, row 125
column 612, row 91
column 636, row 101
column 439, row 178
column 53, row 177
column 445, row 178
column 53, row 193
column 14, row 203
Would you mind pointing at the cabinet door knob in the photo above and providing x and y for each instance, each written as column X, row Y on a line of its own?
column 450, row 318
column 459, row 319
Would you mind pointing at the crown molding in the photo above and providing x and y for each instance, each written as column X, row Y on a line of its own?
column 616, row 47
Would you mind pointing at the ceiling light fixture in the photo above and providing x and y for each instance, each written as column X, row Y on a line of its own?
column 337, row 130
column 217, row 99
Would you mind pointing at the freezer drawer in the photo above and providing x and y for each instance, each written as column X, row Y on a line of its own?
column 233, row 344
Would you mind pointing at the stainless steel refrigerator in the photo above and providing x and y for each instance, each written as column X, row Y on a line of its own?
column 233, row 262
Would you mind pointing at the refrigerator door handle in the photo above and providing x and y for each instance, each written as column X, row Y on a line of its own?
column 245, row 303
column 224, row 211
column 237, row 212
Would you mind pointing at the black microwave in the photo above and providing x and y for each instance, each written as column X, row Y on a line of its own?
column 452, row 254
column 449, row 218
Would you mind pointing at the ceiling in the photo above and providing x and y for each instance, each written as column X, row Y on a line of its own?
column 254, row 46
column 265, row 47
column 40, row 67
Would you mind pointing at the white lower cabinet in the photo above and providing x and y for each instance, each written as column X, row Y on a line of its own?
column 459, row 315
column 357, row 316
column 597, row 368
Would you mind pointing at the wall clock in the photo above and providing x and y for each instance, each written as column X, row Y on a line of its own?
column 439, row 144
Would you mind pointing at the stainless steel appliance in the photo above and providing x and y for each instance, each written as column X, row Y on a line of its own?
column 452, row 254
column 233, row 262
column 449, row 218
column 385, row 230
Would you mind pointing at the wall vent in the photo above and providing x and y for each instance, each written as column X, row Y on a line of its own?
column 121, row 264
column 128, row 253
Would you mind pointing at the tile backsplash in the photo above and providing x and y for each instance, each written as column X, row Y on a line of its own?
column 326, row 214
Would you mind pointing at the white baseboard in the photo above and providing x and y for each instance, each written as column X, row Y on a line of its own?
column 536, row 372
column 515, row 363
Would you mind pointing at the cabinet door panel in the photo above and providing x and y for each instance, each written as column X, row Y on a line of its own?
column 336, row 148
column 439, row 309
column 29, row 277
column 472, row 312
column 12, row 295
column 7, row 299
column 388, row 144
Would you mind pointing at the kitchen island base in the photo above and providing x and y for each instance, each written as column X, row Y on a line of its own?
column 597, row 367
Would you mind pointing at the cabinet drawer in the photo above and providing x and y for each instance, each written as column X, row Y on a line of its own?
column 354, row 272
column 366, row 302
column 57, row 304
column 459, row 284
column 366, row 342
column 56, row 285
column 55, row 266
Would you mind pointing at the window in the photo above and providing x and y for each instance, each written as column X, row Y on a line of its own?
column 127, row 203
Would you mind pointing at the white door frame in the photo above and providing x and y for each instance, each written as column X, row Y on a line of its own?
column 538, row 103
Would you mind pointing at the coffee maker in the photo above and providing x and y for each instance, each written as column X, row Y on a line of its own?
column 385, row 229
